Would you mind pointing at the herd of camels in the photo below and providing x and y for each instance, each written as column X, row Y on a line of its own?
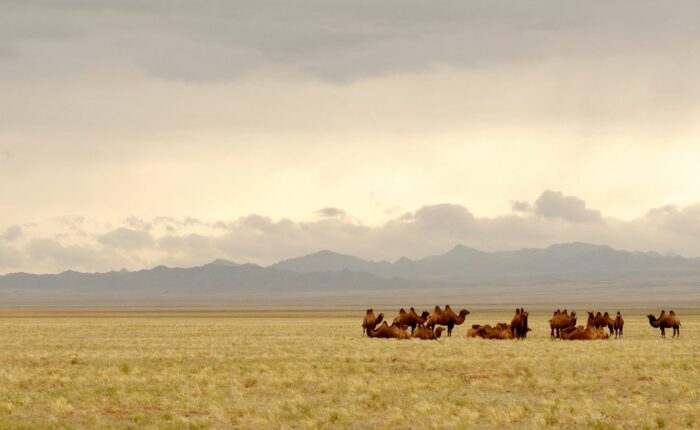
column 562, row 325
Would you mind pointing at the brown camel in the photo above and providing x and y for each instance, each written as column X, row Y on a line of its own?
column 447, row 318
column 604, row 320
column 411, row 318
column 560, row 321
column 385, row 331
column 371, row 321
column 580, row 333
column 665, row 321
column 422, row 332
column 518, row 325
column 618, row 324
column 501, row 331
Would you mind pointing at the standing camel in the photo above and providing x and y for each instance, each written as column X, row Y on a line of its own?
column 604, row 320
column 411, row 318
column 560, row 321
column 665, row 321
column 618, row 324
column 447, row 318
column 518, row 325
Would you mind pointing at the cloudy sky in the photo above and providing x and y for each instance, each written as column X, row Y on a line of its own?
column 174, row 132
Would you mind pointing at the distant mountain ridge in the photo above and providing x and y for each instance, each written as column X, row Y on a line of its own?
column 468, row 264
column 545, row 274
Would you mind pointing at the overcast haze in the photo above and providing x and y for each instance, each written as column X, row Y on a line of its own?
column 140, row 133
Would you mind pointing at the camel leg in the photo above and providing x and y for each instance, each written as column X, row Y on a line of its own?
column 663, row 332
column 449, row 329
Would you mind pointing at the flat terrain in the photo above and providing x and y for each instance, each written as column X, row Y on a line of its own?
column 193, row 370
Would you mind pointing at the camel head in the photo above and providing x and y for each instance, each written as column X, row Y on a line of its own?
column 379, row 319
column 463, row 313
column 651, row 317
column 619, row 314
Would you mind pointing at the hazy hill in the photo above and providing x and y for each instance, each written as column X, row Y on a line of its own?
column 571, row 272
column 575, row 261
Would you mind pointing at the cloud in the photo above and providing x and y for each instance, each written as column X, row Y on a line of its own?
column 50, row 253
column 10, row 258
column 681, row 220
column 431, row 229
column 331, row 212
column 126, row 238
column 555, row 205
column 12, row 233
column 520, row 206
column 337, row 41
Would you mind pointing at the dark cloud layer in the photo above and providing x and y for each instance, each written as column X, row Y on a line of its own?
column 333, row 41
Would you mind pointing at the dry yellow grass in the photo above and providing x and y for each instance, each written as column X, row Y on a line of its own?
column 173, row 371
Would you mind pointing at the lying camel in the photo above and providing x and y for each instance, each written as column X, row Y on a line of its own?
column 422, row 332
column 411, row 318
column 371, row 321
column 385, row 331
column 560, row 321
column 618, row 324
column 580, row 333
column 447, row 318
column 501, row 331
column 518, row 325
column 665, row 321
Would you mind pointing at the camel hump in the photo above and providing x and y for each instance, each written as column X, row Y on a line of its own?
column 671, row 312
column 412, row 309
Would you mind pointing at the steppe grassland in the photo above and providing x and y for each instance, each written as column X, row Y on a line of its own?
column 296, row 370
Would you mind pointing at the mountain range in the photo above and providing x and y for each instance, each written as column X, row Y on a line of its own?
column 571, row 272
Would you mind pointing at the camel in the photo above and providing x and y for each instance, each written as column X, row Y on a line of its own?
column 618, row 324
column 371, row 321
column 580, row 333
column 501, row 331
column 518, row 325
column 560, row 321
column 604, row 320
column 665, row 321
column 411, row 318
column 385, row 331
column 447, row 318
column 422, row 332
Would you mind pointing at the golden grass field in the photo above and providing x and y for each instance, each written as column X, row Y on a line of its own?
column 221, row 370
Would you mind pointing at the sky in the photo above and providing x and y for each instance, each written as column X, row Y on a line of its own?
column 176, row 132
